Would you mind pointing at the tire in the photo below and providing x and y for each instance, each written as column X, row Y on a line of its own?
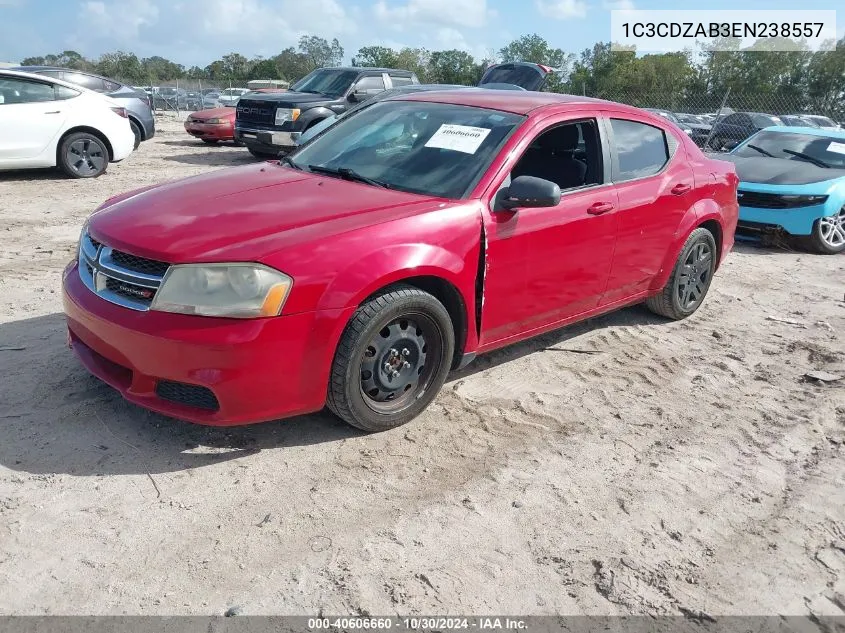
column 136, row 130
column 402, row 329
column 261, row 155
column 83, row 155
column 209, row 141
column 690, row 280
column 828, row 236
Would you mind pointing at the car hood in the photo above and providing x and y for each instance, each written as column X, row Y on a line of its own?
column 777, row 171
column 288, row 97
column 214, row 113
column 244, row 214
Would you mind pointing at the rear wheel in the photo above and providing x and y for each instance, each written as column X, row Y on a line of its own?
column 83, row 155
column 392, row 359
column 828, row 236
column 690, row 279
column 136, row 130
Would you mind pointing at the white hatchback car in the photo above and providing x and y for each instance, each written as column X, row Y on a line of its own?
column 47, row 122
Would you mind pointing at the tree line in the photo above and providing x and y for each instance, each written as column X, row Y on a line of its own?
column 816, row 79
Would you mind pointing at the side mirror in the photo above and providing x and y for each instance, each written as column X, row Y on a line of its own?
column 356, row 96
column 528, row 191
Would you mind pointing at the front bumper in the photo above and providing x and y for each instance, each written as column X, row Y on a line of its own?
column 793, row 221
column 252, row 370
column 211, row 131
column 267, row 141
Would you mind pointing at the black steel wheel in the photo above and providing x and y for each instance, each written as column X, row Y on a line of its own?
column 690, row 279
column 83, row 155
column 392, row 359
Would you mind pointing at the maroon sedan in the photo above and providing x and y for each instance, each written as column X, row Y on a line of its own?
column 398, row 244
column 212, row 126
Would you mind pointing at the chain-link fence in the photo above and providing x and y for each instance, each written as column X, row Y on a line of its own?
column 713, row 120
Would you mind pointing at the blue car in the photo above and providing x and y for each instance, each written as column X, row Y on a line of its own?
column 792, row 180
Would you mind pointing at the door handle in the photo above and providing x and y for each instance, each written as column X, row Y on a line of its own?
column 599, row 207
column 680, row 189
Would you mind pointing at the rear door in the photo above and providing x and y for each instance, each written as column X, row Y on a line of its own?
column 523, row 75
column 654, row 182
column 32, row 113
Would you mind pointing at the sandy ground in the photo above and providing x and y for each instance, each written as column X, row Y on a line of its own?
column 669, row 468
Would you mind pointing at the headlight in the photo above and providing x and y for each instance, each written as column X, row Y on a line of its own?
column 286, row 114
column 212, row 121
column 241, row 291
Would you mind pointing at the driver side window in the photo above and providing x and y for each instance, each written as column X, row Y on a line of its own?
column 568, row 155
column 370, row 84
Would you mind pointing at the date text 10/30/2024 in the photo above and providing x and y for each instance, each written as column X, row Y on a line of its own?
column 417, row 623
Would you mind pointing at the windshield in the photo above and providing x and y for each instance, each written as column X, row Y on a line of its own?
column 525, row 76
column 233, row 92
column 822, row 121
column 433, row 149
column 828, row 150
column 332, row 83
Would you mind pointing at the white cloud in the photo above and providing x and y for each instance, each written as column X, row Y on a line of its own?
column 200, row 31
column 619, row 5
column 467, row 13
column 116, row 20
column 562, row 9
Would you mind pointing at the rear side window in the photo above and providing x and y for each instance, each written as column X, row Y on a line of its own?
column 86, row 81
column 63, row 92
column 641, row 149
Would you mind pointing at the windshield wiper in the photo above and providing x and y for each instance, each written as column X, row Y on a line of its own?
column 287, row 160
column 816, row 161
column 348, row 174
column 761, row 150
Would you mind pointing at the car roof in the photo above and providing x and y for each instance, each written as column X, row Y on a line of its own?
column 66, row 70
column 368, row 69
column 56, row 80
column 509, row 101
column 813, row 131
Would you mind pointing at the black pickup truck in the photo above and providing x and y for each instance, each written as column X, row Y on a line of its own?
column 271, row 123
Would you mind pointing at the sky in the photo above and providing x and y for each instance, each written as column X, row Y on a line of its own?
column 197, row 32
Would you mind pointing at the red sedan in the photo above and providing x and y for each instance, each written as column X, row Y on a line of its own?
column 397, row 245
column 212, row 126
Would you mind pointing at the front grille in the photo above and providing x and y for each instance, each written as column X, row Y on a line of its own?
column 119, row 277
column 759, row 200
column 250, row 111
column 189, row 395
column 140, row 264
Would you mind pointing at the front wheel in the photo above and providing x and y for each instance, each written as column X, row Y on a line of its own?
column 83, row 155
column 690, row 279
column 828, row 236
column 392, row 359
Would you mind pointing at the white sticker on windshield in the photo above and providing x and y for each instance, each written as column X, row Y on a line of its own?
column 838, row 148
column 459, row 138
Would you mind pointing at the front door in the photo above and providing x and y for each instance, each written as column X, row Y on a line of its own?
column 545, row 265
